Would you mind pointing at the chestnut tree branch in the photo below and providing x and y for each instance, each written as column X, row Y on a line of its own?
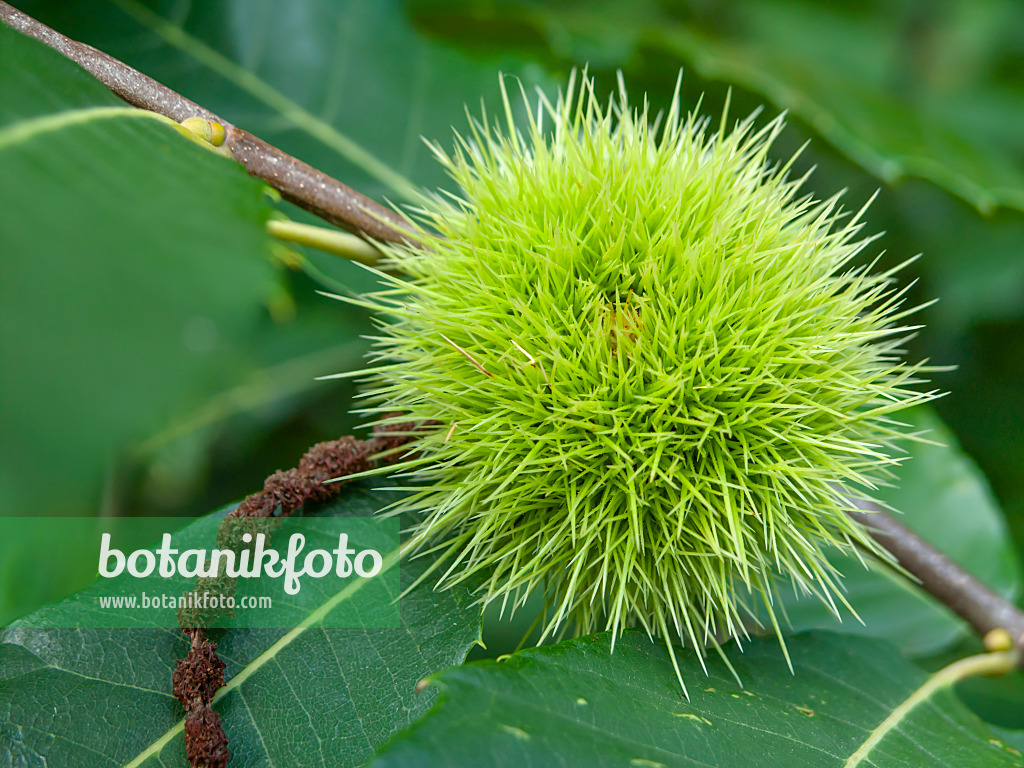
column 943, row 579
column 331, row 200
column 297, row 182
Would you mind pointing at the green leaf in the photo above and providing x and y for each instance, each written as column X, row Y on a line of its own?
column 579, row 704
column 309, row 696
column 133, row 261
column 900, row 90
column 943, row 497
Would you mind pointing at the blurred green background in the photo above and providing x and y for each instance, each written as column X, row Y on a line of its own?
column 920, row 100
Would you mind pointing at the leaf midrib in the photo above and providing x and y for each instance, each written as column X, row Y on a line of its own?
column 26, row 130
column 939, row 681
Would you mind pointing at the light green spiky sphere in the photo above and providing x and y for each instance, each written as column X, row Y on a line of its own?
column 653, row 375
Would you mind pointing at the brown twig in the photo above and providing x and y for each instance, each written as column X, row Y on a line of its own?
column 297, row 182
column 943, row 579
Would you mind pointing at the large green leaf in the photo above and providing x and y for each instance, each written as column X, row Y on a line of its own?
column 578, row 704
column 942, row 496
column 310, row 697
column 133, row 261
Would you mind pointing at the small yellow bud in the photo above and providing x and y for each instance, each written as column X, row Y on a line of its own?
column 998, row 640
column 206, row 132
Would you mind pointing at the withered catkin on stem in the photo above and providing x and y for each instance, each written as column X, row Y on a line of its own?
column 200, row 674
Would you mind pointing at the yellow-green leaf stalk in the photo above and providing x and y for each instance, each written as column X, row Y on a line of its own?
column 655, row 374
